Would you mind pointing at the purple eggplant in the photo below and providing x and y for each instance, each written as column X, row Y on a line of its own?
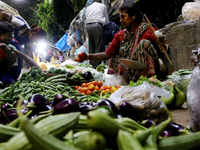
column 84, row 103
column 5, row 107
column 127, row 110
column 10, row 115
column 94, row 104
column 58, row 98
column 148, row 123
column 45, row 108
column 106, row 102
column 167, row 133
column 66, row 106
column 85, row 109
column 24, row 103
column 37, row 100
column 175, row 128
column 2, row 120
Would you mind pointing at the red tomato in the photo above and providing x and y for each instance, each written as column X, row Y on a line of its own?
column 82, row 56
column 88, row 92
column 104, row 91
column 96, row 88
column 85, row 89
column 99, row 83
column 102, row 87
column 83, row 93
column 77, row 59
column 91, row 87
column 94, row 82
column 109, row 87
column 107, row 90
column 84, row 85
column 118, row 86
column 77, row 87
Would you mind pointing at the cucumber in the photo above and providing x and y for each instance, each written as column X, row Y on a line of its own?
column 55, row 77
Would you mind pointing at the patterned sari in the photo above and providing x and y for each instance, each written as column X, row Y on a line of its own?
column 141, row 51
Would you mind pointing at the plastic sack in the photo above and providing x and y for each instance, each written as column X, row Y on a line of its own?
column 182, row 82
column 62, row 43
column 193, row 100
column 145, row 99
column 114, row 80
column 190, row 11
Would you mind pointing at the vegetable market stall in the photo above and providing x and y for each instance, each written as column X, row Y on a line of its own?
column 62, row 94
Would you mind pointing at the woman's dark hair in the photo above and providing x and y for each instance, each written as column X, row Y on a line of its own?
column 60, row 52
column 132, row 9
column 5, row 28
column 78, row 41
column 38, row 31
column 72, row 45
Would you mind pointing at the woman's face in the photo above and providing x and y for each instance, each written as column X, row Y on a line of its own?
column 125, row 19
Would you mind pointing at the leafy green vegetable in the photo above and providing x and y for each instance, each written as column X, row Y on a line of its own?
column 70, row 66
column 85, row 65
column 101, row 67
column 148, row 80
column 181, row 79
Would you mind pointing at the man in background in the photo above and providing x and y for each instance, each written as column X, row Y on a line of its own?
column 96, row 16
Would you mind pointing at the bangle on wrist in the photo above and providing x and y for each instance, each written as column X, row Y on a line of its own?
column 9, row 19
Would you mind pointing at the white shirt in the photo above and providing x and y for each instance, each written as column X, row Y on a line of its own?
column 96, row 12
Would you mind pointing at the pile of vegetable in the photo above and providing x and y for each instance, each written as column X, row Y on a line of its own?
column 99, row 127
column 57, row 71
column 33, row 74
column 181, row 78
column 177, row 97
column 82, row 76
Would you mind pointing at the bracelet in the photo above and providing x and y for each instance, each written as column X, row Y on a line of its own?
column 87, row 56
column 9, row 19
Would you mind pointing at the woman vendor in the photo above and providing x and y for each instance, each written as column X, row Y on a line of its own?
column 136, row 41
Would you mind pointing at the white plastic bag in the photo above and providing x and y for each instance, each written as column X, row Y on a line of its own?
column 193, row 100
column 190, row 11
column 145, row 99
column 114, row 79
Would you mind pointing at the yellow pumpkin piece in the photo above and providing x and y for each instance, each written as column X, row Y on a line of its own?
column 113, row 89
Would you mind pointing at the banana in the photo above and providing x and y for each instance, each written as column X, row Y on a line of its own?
column 91, row 141
column 171, row 99
column 97, row 120
column 126, row 141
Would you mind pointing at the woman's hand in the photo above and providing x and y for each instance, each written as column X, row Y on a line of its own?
column 161, row 41
column 81, row 57
column 5, row 48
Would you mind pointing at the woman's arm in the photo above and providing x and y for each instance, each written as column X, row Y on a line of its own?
column 98, row 56
column 28, row 59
